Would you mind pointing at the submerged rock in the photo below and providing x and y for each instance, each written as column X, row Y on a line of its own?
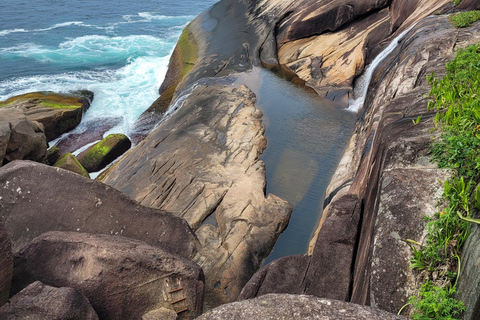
column 122, row 278
column 104, row 152
column 205, row 159
column 58, row 113
column 39, row 301
column 69, row 162
column 286, row 307
column 36, row 198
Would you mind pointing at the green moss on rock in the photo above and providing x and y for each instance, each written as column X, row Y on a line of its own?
column 47, row 99
column 104, row 152
column 69, row 162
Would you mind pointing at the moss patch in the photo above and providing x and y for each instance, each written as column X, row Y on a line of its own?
column 69, row 162
column 104, row 152
column 48, row 99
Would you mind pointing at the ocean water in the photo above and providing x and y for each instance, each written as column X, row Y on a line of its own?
column 117, row 49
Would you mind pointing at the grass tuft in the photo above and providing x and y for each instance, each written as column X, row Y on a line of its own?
column 465, row 19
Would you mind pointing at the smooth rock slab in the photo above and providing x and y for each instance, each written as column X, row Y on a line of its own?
column 288, row 307
column 42, row 302
column 122, row 278
column 36, row 198
column 69, row 162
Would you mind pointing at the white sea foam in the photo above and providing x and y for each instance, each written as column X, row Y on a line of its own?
column 55, row 26
column 5, row 32
column 362, row 84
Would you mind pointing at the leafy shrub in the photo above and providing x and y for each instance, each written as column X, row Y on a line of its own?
column 465, row 19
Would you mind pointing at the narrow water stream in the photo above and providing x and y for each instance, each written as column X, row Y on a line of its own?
column 306, row 137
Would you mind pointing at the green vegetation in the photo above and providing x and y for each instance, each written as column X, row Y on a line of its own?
column 465, row 19
column 47, row 99
column 456, row 97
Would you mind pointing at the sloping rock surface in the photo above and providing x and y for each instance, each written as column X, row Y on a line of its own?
column 39, row 301
column 69, row 162
column 284, row 306
column 122, row 278
column 201, row 162
column 35, row 198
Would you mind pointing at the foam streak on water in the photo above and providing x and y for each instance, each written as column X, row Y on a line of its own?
column 363, row 83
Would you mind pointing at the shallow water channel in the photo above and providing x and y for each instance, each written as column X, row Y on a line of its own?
column 306, row 137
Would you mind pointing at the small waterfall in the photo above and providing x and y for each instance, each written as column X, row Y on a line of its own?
column 362, row 84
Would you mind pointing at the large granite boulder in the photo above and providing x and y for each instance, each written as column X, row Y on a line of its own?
column 285, row 307
column 6, row 265
column 39, row 301
column 58, row 113
column 37, row 198
column 122, row 278
column 20, row 138
column 203, row 162
column 104, row 152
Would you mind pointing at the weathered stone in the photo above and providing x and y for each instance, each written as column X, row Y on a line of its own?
column 286, row 307
column 204, row 159
column 104, row 152
column 36, row 198
column 6, row 265
column 69, row 162
column 122, row 278
column 284, row 275
column 39, row 301
column 58, row 113
column 468, row 289
column 160, row 314
column 20, row 138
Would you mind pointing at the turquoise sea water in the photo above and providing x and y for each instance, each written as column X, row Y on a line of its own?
column 117, row 49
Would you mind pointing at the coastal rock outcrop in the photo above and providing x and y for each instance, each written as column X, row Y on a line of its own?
column 36, row 198
column 122, row 278
column 58, row 113
column 20, row 138
column 39, row 301
column 202, row 163
column 285, row 306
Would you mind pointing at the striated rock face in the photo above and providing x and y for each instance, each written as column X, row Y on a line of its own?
column 203, row 162
column 122, row 278
column 36, row 198
column 39, row 301
column 58, row 113
column 20, row 138
column 284, row 306
column 383, row 187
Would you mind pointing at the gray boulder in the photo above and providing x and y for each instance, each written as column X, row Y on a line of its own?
column 20, row 138
column 36, row 198
column 41, row 302
column 288, row 307
column 122, row 278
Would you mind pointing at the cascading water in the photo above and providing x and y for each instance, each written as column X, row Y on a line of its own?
column 363, row 83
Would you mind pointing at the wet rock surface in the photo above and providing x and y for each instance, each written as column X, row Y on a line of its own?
column 104, row 152
column 284, row 306
column 39, row 301
column 36, row 198
column 122, row 278
column 204, row 160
